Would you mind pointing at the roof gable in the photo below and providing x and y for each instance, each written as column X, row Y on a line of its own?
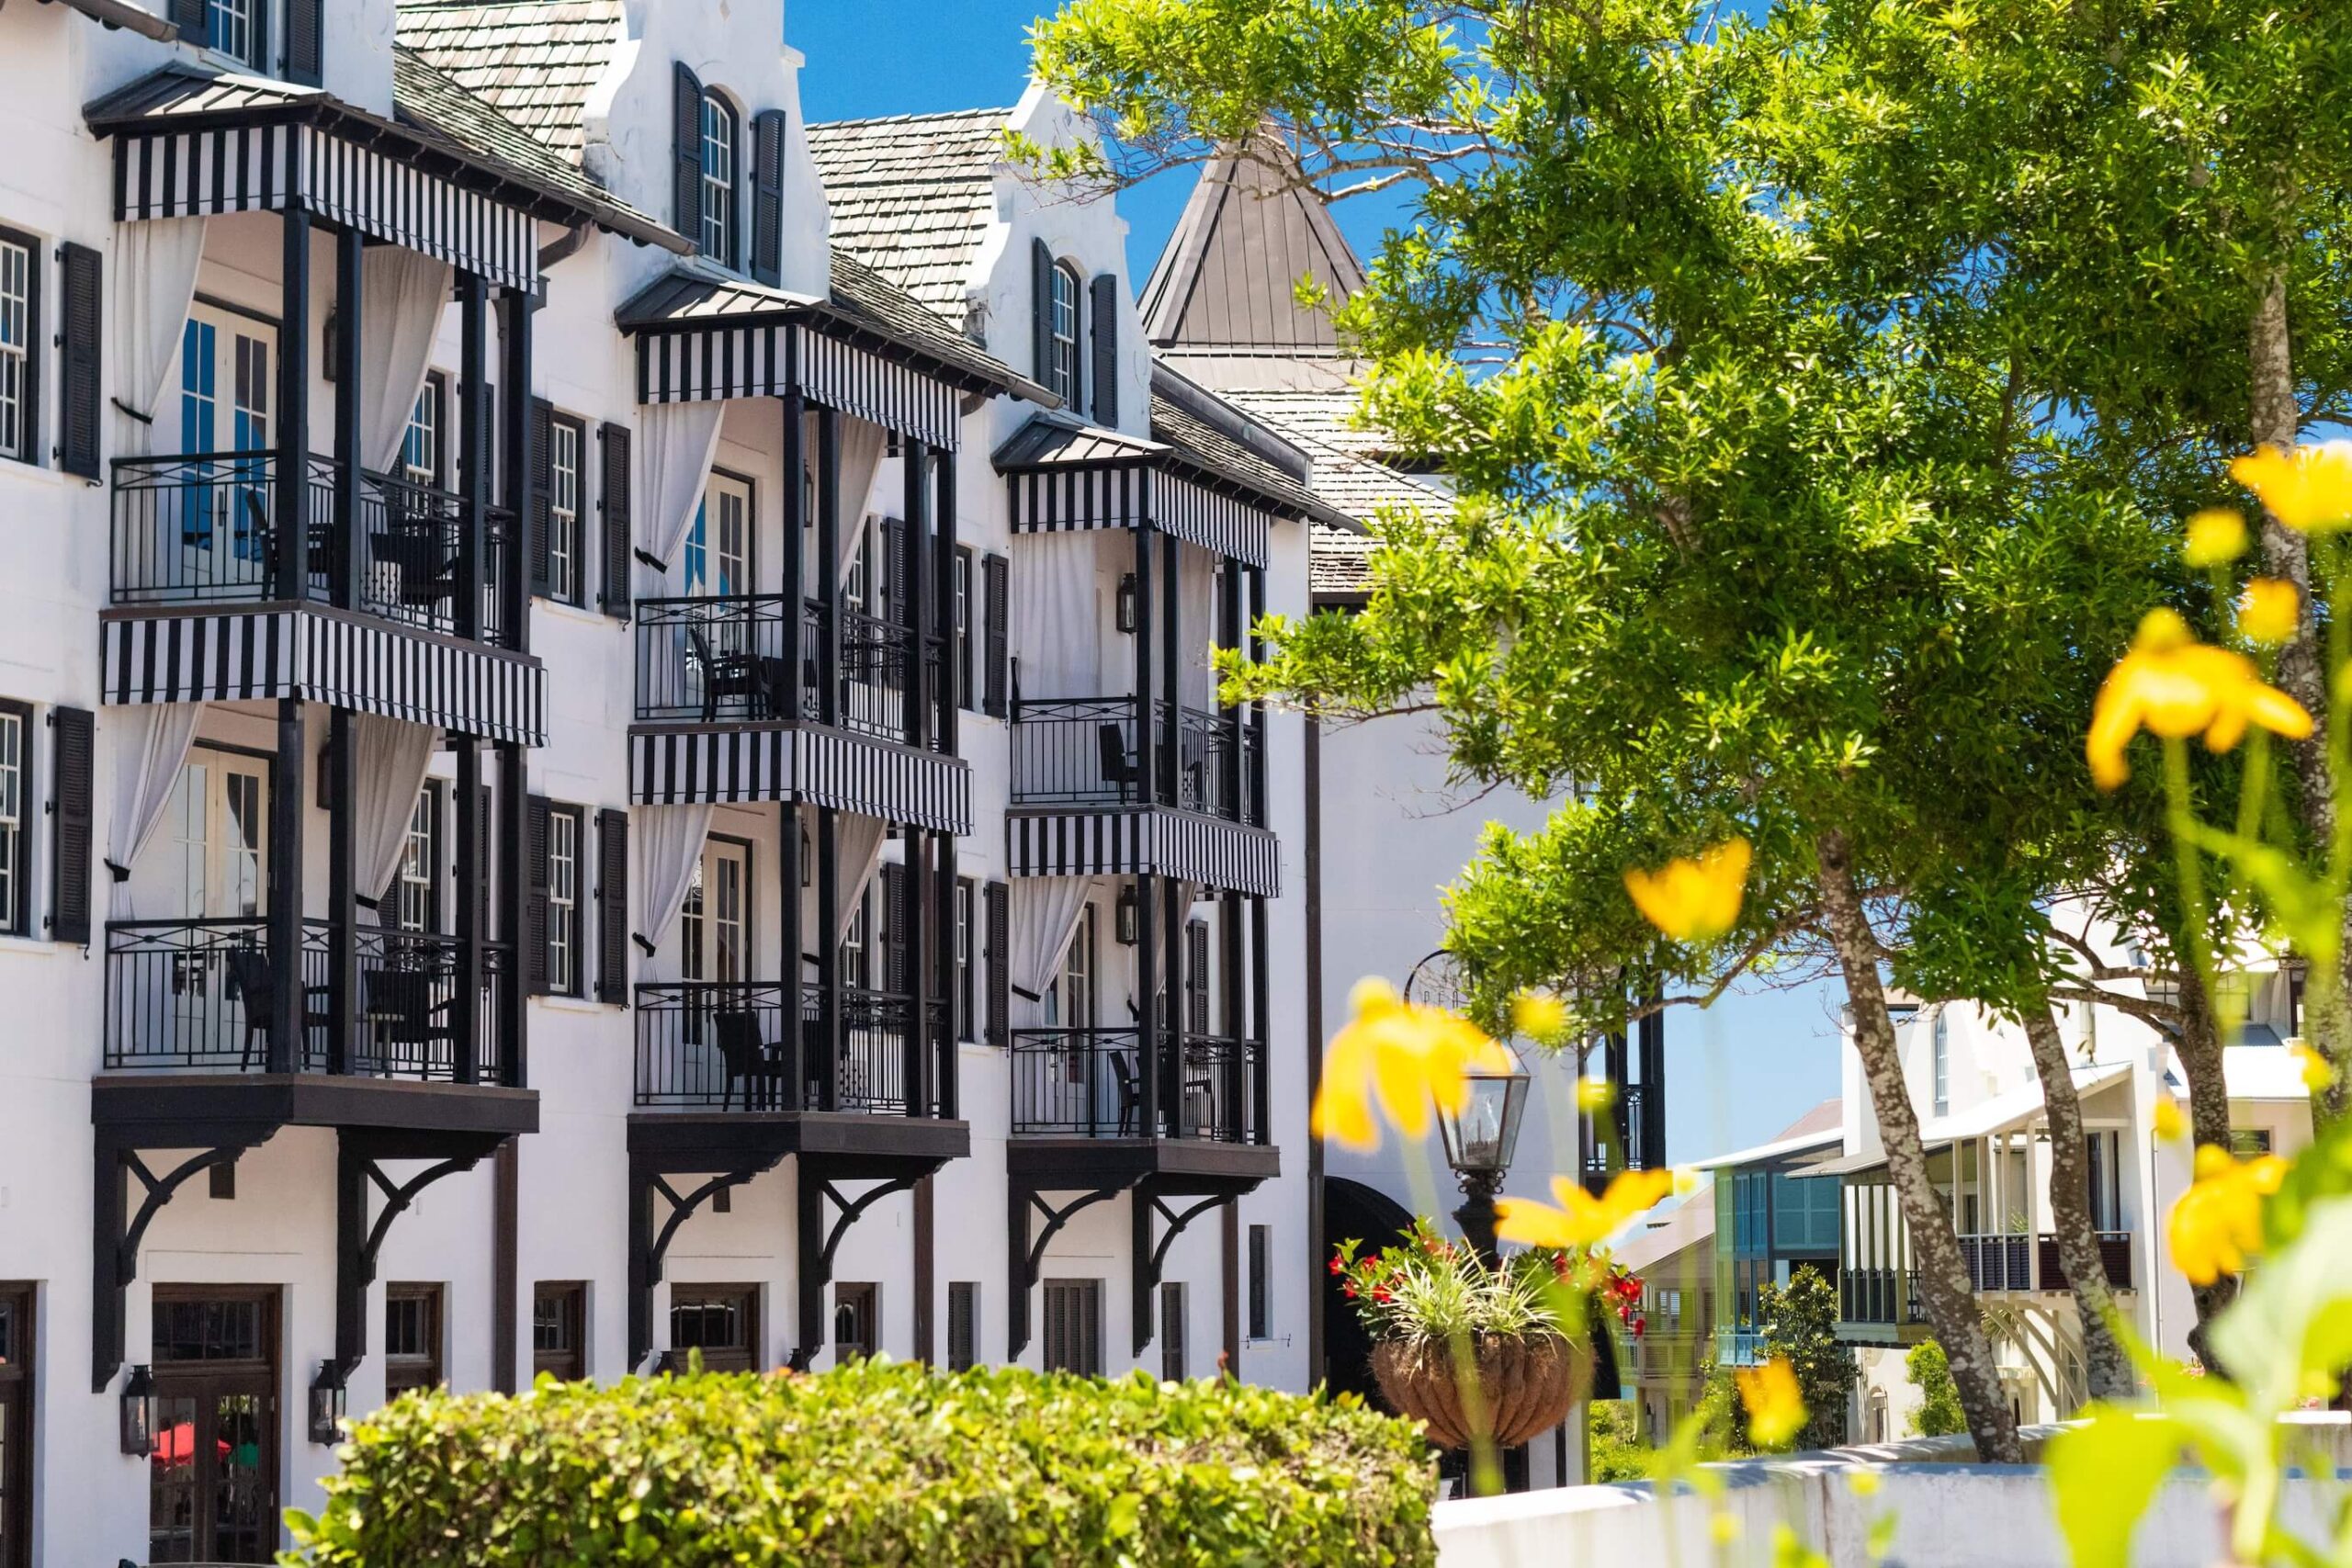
column 1228, row 281
column 535, row 61
column 914, row 197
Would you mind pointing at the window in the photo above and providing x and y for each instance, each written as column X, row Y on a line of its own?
column 967, row 957
column 1262, row 1282
column 16, row 773
column 714, row 931
column 856, row 1321
column 422, row 448
column 416, row 890
column 720, row 1321
column 234, row 28
column 212, row 1494
column 854, row 947
column 1069, row 1000
column 719, row 161
column 563, row 900
column 719, row 546
column 963, row 1324
column 16, row 1425
column 1074, row 1327
column 19, row 346
column 1061, row 371
column 1172, row 1331
column 560, row 1331
column 2249, row 1142
column 1942, row 1065
column 411, row 1338
column 968, row 696
column 566, row 439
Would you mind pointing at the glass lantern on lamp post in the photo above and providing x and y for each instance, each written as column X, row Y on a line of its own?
column 1480, row 1140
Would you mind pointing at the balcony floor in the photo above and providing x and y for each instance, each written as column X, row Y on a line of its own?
column 191, row 1110
column 853, row 1143
column 1173, row 1166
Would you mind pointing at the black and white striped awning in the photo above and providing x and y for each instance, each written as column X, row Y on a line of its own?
column 1144, row 842
column 813, row 765
column 323, row 656
column 1069, row 479
column 705, row 363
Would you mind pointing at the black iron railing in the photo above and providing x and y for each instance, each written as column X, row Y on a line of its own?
column 753, row 1045
column 745, row 657
column 198, row 996
column 1879, row 1295
column 1082, row 751
column 1613, row 1140
column 1998, row 1262
column 1088, row 1083
column 2114, row 1253
column 205, row 528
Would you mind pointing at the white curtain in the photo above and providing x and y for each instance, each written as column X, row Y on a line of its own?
column 155, row 262
column 666, row 842
column 1196, row 625
column 389, row 761
column 858, row 840
column 154, row 740
column 862, row 446
column 1054, row 615
column 1045, row 913
column 400, row 299
column 676, row 443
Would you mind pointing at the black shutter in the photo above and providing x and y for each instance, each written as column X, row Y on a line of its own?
column 963, row 1327
column 1196, row 977
column 998, row 919
column 617, row 520
column 896, row 981
column 535, row 902
column 78, row 337
column 894, row 675
column 1041, row 312
column 767, row 197
column 686, row 210
column 191, row 17
column 69, row 826
column 485, row 907
column 305, row 55
column 997, row 581
column 541, row 457
column 612, row 907
column 1104, row 309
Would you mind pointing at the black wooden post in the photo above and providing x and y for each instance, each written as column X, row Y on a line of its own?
column 350, row 247
column 514, row 1002
column 289, row 800
column 1171, row 690
column 944, row 1052
column 951, row 655
column 915, row 909
column 829, row 582
column 796, row 587
column 473, row 454
column 515, row 468
column 1147, row 1016
column 1233, row 1079
column 292, row 500
column 829, row 956
column 473, row 867
column 789, row 871
column 1147, row 776
column 1229, row 721
column 1258, row 1107
column 343, row 894
column 915, row 613
column 1172, row 1060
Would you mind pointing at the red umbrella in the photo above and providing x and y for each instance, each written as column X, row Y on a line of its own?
column 176, row 1445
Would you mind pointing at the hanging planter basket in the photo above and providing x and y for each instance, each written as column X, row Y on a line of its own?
column 1529, row 1385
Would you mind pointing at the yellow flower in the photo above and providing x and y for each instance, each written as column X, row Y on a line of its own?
column 2317, row 1070
column 1694, row 900
column 1686, row 1182
column 2306, row 487
column 2270, row 611
column 1539, row 1017
column 1864, row 1483
column 1725, row 1527
column 1581, row 1220
column 2216, row 535
column 2170, row 1124
column 1594, row 1095
column 2217, row 1224
column 1402, row 1057
column 1775, row 1404
column 2174, row 685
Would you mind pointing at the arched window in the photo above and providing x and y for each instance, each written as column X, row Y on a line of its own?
column 1061, row 372
column 722, row 163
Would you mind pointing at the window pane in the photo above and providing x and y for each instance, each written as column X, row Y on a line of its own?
column 16, row 344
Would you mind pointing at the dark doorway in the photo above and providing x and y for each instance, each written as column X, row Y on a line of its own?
column 1352, row 1212
column 16, row 1426
column 212, row 1479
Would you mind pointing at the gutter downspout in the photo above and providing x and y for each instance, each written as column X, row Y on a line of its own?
column 122, row 14
column 1318, row 1247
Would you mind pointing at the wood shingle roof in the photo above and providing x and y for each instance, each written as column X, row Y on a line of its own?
column 914, row 197
column 535, row 61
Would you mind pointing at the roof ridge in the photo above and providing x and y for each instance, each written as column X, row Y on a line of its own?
column 896, row 119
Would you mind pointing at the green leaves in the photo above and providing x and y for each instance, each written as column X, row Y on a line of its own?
column 2104, row 1474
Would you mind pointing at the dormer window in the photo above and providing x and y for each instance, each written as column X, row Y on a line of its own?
column 1064, row 306
column 1061, row 369
column 719, row 141
column 234, row 30
column 251, row 31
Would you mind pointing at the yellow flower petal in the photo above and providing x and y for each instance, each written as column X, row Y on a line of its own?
column 1595, row 1094
column 2309, row 486
column 1775, row 1403
column 1405, row 1058
column 2270, row 611
column 2318, row 1072
column 1539, row 1017
column 2216, row 536
column 1694, row 900
column 2217, row 1224
column 1725, row 1527
column 2175, row 687
column 2170, row 1124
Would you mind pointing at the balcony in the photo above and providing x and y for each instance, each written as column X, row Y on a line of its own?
column 746, row 659
column 198, row 996
column 2021, row 1262
column 1887, row 1297
column 1081, row 752
column 752, row 1047
column 205, row 529
column 1087, row 1083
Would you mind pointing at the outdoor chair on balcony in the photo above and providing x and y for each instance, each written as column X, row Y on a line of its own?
column 1123, row 1073
column 253, row 980
column 408, row 1021
column 1117, row 762
column 729, row 676
column 424, row 567
column 750, row 1061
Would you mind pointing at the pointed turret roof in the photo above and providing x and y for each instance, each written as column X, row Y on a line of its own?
column 1226, row 284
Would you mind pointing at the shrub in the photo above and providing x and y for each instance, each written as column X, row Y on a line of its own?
column 1800, row 1321
column 874, row 1463
column 1618, row 1448
column 1927, row 1370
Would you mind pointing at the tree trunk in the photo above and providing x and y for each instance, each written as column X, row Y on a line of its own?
column 2104, row 1360
column 1943, row 1276
column 2200, row 1050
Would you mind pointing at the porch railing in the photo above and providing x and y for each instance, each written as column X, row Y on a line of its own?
column 2114, row 1253
column 2020, row 1262
column 1088, row 1083
column 1879, row 1295
column 1082, row 751
column 747, row 659
column 205, row 528
column 198, row 996
column 1739, row 1347
column 751, row 1045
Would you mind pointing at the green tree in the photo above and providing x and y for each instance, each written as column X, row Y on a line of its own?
column 1925, row 1369
column 1765, row 529
column 1614, row 1440
column 1800, row 1321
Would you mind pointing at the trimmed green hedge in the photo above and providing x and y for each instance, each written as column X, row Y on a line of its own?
column 877, row 1463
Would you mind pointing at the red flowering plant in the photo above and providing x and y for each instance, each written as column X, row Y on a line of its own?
column 1431, row 1290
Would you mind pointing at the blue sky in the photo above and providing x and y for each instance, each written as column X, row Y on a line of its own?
column 1736, row 1074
